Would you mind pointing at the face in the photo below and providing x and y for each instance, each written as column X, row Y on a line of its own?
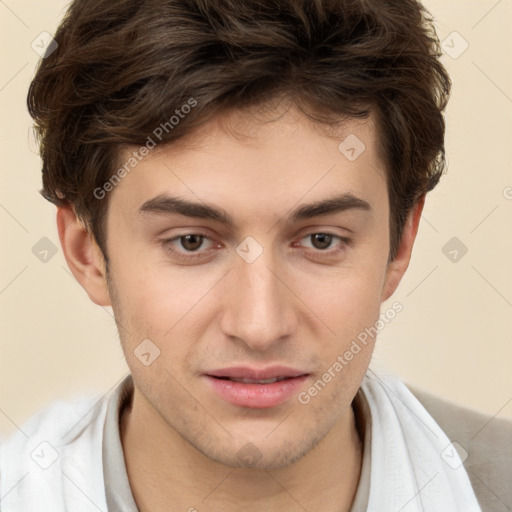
column 253, row 250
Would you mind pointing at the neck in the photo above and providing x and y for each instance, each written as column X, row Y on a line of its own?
column 165, row 469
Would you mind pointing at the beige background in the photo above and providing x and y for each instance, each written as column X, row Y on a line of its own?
column 453, row 335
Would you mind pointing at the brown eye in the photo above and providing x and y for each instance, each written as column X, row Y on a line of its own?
column 190, row 248
column 321, row 240
column 191, row 242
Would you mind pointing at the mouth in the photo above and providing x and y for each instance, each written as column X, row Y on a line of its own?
column 256, row 388
column 244, row 380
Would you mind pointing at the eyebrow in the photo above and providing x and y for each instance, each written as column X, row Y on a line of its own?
column 169, row 205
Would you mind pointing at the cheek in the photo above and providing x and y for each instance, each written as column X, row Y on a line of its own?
column 348, row 299
column 153, row 309
column 350, row 308
column 350, row 317
column 161, row 303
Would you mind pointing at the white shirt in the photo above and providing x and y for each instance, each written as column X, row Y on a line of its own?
column 69, row 457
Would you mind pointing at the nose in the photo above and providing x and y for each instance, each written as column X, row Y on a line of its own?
column 259, row 309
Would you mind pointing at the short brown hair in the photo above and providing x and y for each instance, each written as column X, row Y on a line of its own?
column 123, row 67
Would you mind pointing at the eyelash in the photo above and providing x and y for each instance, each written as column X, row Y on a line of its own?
column 190, row 255
column 193, row 255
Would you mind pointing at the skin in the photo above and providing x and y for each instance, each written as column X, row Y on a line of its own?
column 295, row 305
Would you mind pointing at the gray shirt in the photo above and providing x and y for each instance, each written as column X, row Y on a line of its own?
column 117, row 486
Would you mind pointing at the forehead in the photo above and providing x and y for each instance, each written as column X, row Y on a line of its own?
column 259, row 165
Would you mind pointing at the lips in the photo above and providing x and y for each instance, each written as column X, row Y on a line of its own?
column 254, row 381
column 256, row 388
column 247, row 372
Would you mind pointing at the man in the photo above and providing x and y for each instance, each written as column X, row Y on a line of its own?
column 242, row 182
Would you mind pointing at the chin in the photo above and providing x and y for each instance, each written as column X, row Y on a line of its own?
column 260, row 454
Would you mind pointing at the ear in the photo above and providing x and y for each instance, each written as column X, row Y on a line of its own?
column 396, row 268
column 83, row 255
